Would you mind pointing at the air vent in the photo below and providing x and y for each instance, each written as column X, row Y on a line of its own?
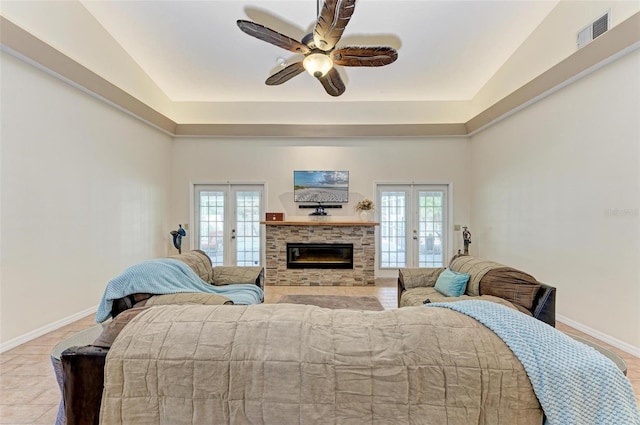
column 593, row 30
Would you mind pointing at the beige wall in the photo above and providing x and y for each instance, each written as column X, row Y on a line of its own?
column 59, row 23
column 556, row 191
column 553, row 40
column 84, row 194
column 426, row 160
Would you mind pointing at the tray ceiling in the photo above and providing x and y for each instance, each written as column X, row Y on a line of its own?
column 194, row 51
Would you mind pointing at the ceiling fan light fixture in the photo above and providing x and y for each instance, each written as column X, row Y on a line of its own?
column 319, row 47
column 317, row 64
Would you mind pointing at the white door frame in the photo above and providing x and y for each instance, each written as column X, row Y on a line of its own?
column 229, row 184
column 447, row 251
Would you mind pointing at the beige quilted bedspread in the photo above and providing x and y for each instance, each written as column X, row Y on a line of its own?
column 295, row 364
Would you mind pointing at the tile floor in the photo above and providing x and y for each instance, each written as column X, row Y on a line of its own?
column 29, row 393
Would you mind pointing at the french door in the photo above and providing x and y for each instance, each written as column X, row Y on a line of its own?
column 413, row 227
column 228, row 223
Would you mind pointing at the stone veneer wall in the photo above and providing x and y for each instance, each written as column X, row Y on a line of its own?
column 362, row 238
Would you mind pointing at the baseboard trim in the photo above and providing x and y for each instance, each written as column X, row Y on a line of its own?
column 627, row 348
column 13, row 343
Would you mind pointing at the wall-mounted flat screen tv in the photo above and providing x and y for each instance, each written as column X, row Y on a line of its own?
column 321, row 186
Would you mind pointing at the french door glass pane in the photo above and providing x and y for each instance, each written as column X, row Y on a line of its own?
column 248, row 228
column 212, row 225
column 393, row 240
column 228, row 218
column 430, row 228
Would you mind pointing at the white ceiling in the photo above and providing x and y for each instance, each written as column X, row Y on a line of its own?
column 193, row 50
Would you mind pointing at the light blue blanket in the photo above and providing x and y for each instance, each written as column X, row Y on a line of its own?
column 575, row 384
column 169, row 276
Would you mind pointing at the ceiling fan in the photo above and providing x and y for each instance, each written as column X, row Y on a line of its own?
column 319, row 48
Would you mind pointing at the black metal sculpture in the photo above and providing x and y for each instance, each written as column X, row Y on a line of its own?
column 177, row 237
column 466, row 236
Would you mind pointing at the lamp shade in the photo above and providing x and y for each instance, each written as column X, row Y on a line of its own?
column 317, row 64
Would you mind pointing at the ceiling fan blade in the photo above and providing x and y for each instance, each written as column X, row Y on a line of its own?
column 285, row 74
column 364, row 56
column 274, row 37
column 332, row 82
column 332, row 21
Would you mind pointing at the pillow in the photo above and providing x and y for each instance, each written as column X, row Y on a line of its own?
column 199, row 262
column 476, row 269
column 512, row 285
column 522, row 294
column 420, row 277
column 452, row 284
column 227, row 275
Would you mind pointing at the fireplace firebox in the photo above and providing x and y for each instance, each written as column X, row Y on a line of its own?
column 319, row 256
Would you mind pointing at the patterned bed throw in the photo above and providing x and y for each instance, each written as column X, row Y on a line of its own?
column 556, row 365
column 169, row 276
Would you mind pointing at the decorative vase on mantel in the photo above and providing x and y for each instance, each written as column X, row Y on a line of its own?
column 365, row 215
column 364, row 209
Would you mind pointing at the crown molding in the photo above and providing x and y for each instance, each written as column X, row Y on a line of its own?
column 616, row 42
column 36, row 51
column 343, row 130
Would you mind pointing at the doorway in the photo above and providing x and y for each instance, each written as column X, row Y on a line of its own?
column 227, row 218
column 414, row 226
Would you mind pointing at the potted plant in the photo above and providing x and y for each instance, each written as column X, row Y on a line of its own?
column 364, row 208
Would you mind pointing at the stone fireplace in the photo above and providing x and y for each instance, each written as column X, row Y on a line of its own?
column 333, row 253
